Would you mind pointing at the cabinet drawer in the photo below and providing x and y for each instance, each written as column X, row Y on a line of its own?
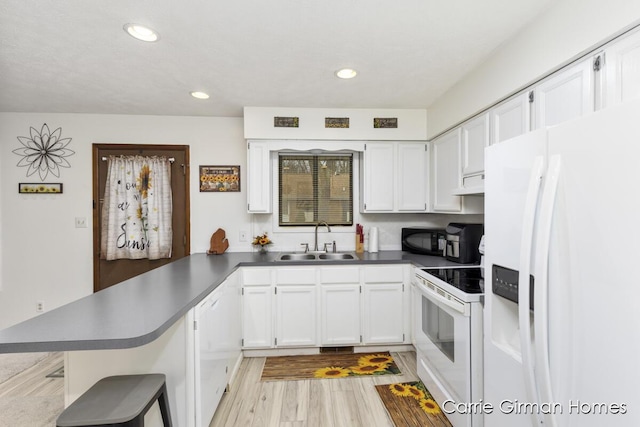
column 339, row 275
column 256, row 276
column 295, row 276
column 386, row 274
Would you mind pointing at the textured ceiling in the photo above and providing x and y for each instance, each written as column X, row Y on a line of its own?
column 72, row 56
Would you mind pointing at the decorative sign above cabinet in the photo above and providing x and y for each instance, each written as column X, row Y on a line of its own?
column 336, row 122
column 286, row 122
column 385, row 122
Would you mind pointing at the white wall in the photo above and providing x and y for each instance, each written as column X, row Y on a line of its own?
column 567, row 29
column 44, row 257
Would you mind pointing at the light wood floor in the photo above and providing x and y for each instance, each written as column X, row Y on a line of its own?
column 348, row 402
column 30, row 398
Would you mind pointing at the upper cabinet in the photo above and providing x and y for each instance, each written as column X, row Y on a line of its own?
column 258, row 177
column 395, row 177
column 475, row 137
column 446, row 172
column 511, row 118
column 565, row 95
column 622, row 70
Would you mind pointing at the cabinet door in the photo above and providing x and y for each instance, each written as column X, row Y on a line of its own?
column 257, row 320
column 383, row 313
column 340, row 314
column 475, row 137
column 566, row 95
column 446, row 172
column 296, row 320
column 622, row 70
column 258, row 177
column 378, row 177
column 412, row 185
column 511, row 118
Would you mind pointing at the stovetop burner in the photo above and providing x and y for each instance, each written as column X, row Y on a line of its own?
column 468, row 280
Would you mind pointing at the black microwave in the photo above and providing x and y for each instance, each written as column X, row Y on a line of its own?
column 425, row 241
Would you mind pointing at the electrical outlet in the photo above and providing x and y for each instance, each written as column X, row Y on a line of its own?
column 243, row 235
column 81, row 222
column 39, row 306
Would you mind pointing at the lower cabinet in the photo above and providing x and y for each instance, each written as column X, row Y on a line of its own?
column 325, row 306
column 296, row 316
column 340, row 319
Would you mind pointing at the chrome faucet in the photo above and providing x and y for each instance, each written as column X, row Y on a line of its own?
column 315, row 245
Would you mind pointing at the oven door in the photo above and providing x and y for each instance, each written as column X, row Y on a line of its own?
column 442, row 338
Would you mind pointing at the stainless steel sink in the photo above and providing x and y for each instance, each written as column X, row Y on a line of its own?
column 334, row 256
column 297, row 257
column 323, row 256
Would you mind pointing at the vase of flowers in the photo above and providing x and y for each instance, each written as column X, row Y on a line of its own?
column 262, row 241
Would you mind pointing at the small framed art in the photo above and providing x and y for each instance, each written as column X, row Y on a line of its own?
column 219, row 179
column 39, row 188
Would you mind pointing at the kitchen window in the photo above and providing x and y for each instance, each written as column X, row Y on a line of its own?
column 315, row 188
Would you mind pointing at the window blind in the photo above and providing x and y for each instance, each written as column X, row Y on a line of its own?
column 315, row 188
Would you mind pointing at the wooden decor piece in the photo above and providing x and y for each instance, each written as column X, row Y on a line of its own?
column 219, row 242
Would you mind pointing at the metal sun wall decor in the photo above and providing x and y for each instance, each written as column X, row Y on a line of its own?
column 44, row 151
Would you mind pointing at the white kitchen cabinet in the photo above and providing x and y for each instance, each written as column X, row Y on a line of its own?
column 565, row 95
column 384, row 311
column 295, row 301
column 622, row 70
column 378, row 171
column 258, row 177
column 296, row 316
column 511, row 118
column 412, row 177
column 395, row 177
column 257, row 316
column 447, row 172
column 475, row 137
column 340, row 315
column 257, row 307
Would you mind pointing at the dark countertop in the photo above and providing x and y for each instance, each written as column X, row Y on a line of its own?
column 139, row 310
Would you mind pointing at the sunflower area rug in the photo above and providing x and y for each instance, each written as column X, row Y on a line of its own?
column 411, row 404
column 328, row 366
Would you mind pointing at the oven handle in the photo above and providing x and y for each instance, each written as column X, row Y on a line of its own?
column 448, row 300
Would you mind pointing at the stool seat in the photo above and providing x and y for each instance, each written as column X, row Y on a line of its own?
column 118, row 400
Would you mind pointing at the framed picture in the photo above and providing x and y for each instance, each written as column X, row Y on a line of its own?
column 219, row 179
column 39, row 188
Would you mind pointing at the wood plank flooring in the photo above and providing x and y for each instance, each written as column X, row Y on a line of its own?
column 30, row 398
column 342, row 402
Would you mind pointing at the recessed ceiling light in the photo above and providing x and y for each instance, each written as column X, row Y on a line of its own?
column 141, row 32
column 346, row 73
column 200, row 95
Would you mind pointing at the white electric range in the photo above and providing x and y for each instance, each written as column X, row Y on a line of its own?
column 448, row 339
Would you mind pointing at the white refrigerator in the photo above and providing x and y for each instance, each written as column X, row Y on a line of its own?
column 562, row 275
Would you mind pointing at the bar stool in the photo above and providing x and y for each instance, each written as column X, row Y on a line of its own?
column 118, row 401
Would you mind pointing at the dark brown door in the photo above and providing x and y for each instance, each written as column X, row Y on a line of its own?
column 107, row 273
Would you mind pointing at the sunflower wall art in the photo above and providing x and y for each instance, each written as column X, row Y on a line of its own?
column 44, row 152
column 219, row 179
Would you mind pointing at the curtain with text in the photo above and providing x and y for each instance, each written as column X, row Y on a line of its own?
column 137, row 208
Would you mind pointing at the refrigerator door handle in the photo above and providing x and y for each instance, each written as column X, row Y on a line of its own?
column 541, row 297
column 526, row 248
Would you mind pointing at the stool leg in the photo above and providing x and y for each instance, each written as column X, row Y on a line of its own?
column 163, row 401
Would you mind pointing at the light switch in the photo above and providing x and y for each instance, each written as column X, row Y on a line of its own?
column 81, row 222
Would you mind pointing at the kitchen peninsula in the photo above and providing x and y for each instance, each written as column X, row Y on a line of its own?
column 144, row 324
